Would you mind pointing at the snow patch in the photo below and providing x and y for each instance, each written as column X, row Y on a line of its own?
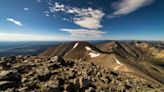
column 93, row 55
column 54, row 58
column 88, row 48
column 75, row 45
column 116, row 68
column 118, row 62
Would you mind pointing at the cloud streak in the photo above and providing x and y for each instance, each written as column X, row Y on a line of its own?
column 18, row 23
column 29, row 37
column 39, row 1
column 84, row 33
column 125, row 7
column 14, row 35
column 26, row 9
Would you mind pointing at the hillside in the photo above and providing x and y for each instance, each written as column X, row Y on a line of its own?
column 44, row 74
column 136, row 58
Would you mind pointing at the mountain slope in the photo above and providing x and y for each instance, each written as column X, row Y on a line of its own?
column 44, row 74
column 123, row 49
column 135, row 57
column 141, row 58
column 74, row 50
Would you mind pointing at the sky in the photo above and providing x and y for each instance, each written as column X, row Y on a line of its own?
column 57, row 20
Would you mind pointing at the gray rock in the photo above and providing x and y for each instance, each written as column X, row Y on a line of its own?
column 90, row 89
column 83, row 82
column 6, row 84
column 3, row 65
column 23, row 89
column 69, row 87
column 51, row 86
column 57, row 60
column 43, row 73
column 23, row 68
column 99, row 74
column 11, row 59
column 10, row 75
column 30, row 85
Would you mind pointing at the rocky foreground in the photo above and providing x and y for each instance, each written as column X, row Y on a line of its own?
column 43, row 74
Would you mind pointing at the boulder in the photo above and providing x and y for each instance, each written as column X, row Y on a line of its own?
column 10, row 75
column 23, row 68
column 7, row 84
column 90, row 89
column 11, row 59
column 81, row 82
column 69, row 87
column 51, row 86
column 43, row 73
column 3, row 65
column 57, row 60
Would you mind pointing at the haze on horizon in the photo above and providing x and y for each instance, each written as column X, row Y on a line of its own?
column 54, row 20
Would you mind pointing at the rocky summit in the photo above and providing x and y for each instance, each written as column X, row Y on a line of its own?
column 54, row 74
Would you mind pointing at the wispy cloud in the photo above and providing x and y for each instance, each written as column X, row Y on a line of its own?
column 14, row 35
column 90, row 19
column 87, row 18
column 39, row 1
column 26, row 9
column 27, row 37
column 124, row 7
column 84, row 33
column 18, row 23
column 47, row 13
column 81, row 15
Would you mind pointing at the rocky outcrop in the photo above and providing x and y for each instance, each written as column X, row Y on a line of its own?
column 9, row 79
column 45, row 74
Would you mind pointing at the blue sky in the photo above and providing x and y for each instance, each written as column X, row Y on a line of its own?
column 48, row 20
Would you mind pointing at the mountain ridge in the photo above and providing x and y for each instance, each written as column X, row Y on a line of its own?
column 131, row 57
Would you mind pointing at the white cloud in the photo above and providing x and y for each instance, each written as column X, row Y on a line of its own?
column 89, row 18
column 84, row 33
column 124, row 7
column 90, row 23
column 26, row 9
column 39, row 1
column 57, row 7
column 65, row 19
column 47, row 13
column 85, row 17
column 18, row 23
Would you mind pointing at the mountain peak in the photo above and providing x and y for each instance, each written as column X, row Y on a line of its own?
column 74, row 50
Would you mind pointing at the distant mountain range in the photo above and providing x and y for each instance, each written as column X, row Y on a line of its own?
column 23, row 48
column 142, row 59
